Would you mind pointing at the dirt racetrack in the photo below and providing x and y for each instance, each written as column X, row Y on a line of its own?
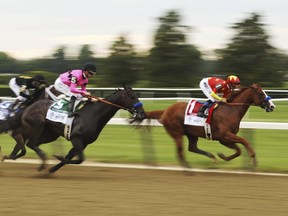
column 78, row 190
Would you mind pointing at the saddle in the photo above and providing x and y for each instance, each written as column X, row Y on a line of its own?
column 61, row 106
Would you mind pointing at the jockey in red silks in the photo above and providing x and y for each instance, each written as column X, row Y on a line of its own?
column 68, row 82
column 216, row 89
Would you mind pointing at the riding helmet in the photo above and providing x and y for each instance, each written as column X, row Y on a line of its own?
column 234, row 80
column 39, row 78
column 89, row 67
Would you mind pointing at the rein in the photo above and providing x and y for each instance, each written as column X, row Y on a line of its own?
column 112, row 104
column 239, row 104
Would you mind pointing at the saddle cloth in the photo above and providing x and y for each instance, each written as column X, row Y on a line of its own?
column 192, row 109
column 4, row 112
column 58, row 111
column 191, row 117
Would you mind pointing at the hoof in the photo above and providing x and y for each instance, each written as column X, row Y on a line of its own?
column 42, row 167
column 59, row 157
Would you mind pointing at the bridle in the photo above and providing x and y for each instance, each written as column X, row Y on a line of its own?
column 264, row 105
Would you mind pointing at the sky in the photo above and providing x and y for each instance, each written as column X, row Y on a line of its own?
column 36, row 28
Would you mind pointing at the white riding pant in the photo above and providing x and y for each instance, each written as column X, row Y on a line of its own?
column 16, row 89
column 206, row 89
column 65, row 89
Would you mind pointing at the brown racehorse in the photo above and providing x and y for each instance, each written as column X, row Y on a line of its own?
column 85, row 128
column 224, row 123
column 17, row 132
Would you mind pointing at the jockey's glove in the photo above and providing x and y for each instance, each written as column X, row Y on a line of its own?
column 223, row 100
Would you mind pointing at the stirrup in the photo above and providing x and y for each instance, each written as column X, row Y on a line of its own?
column 73, row 114
column 202, row 114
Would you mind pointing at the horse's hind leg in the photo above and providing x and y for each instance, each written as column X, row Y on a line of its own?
column 178, row 138
column 194, row 148
column 33, row 144
column 181, row 157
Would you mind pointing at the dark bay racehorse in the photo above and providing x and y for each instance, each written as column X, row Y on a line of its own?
column 224, row 123
column 85, row 129
column 16, row 130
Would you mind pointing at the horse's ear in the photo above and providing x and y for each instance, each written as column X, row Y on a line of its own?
column 124, row 85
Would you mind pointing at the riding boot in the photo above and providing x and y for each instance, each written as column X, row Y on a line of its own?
column 201, row 111
column 71, row 104
column 13, row 105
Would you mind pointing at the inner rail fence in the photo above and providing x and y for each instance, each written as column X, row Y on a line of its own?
column 187, row 94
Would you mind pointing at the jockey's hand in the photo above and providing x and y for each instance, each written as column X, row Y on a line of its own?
column 93, row 99
column 86, row 94
column 41, row 86
column 223, row 100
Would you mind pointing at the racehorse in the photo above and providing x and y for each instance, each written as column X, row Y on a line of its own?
column 17, row 132
column 85, row 128
column 225, row 123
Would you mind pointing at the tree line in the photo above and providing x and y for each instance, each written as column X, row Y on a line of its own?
column 172, row 61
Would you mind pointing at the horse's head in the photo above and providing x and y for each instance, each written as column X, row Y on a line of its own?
column 132, row 103
column 260, row 98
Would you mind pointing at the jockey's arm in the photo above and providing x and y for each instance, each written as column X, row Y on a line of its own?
column 22, row 91
column 73, row 89
column 41, row 86
column 215, row 96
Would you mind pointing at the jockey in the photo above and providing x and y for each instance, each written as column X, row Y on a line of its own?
column 216, row 89
column 22, row 84
column 68, row 82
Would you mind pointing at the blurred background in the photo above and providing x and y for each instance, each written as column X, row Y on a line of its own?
column 153, row 44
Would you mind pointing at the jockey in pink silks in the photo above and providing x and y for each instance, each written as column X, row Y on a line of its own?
column 68, row 82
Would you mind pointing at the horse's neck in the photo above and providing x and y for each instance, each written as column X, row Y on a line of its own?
column 241, row 103
column 107, row 111
column 110, row 110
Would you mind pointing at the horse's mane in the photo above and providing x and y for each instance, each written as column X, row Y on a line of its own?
column 231, row 97
column 128, row 91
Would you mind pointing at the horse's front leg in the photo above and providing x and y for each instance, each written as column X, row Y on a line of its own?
column 232, row 146
column 230, row 138
column 70, row 155
column 66, row 160
column 78, row 149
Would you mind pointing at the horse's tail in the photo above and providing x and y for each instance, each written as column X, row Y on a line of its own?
column 156, row 114
column 10, row 124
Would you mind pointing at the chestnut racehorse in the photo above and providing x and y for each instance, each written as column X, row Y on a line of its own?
column 225, row 123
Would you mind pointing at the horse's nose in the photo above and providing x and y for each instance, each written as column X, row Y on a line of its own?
column 270, row 108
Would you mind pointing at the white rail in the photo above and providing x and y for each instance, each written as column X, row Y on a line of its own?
column 248, row 125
